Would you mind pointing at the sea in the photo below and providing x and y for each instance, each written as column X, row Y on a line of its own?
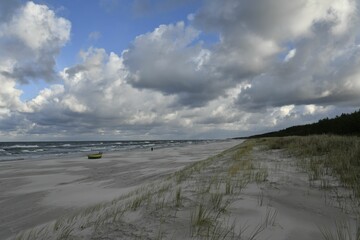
column 10, row 151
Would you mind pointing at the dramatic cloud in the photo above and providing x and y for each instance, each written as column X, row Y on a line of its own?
column 272, row 64
column 319, row 40
column 171, row 61
column 95, row 95
column 290, row 52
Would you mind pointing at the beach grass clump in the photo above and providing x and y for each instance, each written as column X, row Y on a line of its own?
column 241, row 165
column 338, row 156
column 261, row 175
column 270, row 217
column 178, row 198
column 244, row 150
column 136, row 203
column 201, row 216
column 219, row 231
column 341, row 231
column 244, row 167
column 203, row 190
column 61, row 230
column 161, row 202
column 260, row 198
column 28, row 235
column 201, row 220
column 216, row 200
column 65, row 232
column 117, row 213
column 229, row 186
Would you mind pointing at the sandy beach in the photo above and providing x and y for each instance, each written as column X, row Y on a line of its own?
column 193, row 192
column 34, row 192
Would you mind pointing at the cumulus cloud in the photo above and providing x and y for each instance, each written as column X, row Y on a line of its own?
column 274, row 19
column 30, row 41
column 172, row 61
column 9, row 95
column 31, row 36
column 97, row 98
column 319, row 40
column 95, row 95
column 290, row 52
column 276, row 63
column 323, row 71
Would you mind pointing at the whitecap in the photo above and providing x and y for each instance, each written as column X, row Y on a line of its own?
column 21, row 146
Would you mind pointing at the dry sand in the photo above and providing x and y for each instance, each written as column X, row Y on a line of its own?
column 261, row 194
column 34, row 192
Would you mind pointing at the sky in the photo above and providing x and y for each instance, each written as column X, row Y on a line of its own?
column 174, row 69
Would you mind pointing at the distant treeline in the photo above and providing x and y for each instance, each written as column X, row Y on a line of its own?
column 345, row 124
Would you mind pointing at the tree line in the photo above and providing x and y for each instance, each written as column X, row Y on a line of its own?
column 345, row 124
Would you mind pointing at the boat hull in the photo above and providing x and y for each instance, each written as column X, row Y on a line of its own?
column 95, row 156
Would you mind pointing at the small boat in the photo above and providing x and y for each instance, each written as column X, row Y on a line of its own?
column 95, row 155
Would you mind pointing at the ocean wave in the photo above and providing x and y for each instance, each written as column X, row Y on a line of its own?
column 150, row 144
column 98, row 148
column 32, row 151
column 21, row 146
column 85, row 150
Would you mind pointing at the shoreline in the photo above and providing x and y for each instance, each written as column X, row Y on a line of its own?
column 36, row 192
column 252, row 190
column 76, row 149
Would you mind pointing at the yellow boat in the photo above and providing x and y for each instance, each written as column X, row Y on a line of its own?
column 95, row 155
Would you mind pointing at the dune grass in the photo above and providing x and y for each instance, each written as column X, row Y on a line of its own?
column 202, row 191
column 342, row 231
column 325, row 156
column 338, row 156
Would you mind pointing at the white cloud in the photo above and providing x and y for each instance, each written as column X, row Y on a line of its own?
column 171, row 61
column 9, row 94
column 30, row 39
column 95, row 92
column 47, row 96
column 37, row 27
column 323, row 38
column 275, row 19
column 276, row 64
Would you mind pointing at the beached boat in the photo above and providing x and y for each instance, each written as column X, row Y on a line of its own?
column 95, row 155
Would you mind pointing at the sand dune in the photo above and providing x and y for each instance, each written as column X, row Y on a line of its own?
column 245, row 192
column 34, row 192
